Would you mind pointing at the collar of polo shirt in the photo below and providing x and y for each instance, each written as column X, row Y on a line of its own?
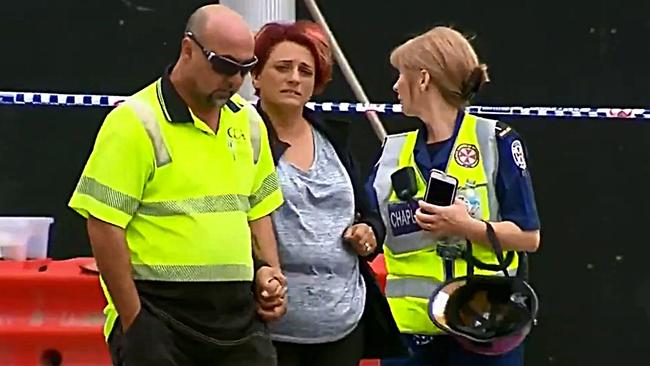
column 173, row 106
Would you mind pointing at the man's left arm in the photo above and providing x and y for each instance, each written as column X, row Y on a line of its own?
column 270, row 285
column 265, row 247
column 265, row 197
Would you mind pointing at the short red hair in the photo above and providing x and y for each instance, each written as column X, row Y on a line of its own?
column 303, row 32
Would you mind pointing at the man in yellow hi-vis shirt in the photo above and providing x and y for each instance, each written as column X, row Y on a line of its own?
column 177, row 192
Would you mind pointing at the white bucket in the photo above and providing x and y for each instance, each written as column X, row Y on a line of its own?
column 24, row 237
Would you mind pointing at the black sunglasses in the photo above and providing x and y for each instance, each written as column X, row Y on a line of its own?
column 224, row 65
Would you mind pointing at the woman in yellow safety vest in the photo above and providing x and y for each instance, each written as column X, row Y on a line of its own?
column 439, row 73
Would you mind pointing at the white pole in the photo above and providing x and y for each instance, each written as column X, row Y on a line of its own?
column 257, row 13
column 343, row 63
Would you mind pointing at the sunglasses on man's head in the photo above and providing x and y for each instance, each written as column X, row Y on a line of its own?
column 224, row 65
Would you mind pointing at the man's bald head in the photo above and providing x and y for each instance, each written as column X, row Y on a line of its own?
column 221, row 27
column 219, row 30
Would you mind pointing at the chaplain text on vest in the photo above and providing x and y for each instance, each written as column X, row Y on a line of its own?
column 402, row 217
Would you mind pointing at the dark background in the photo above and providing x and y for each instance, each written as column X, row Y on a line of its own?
column 590, row 176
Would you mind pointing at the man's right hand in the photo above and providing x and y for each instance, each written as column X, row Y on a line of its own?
column 127, row 319
column 111, row 254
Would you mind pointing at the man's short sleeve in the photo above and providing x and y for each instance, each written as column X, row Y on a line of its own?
column 266, row 196
column 121, row 162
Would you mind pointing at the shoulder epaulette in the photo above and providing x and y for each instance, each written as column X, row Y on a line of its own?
column 502, row 129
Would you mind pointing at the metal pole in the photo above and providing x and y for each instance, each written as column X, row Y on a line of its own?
column 372, row 116
column 257, row 13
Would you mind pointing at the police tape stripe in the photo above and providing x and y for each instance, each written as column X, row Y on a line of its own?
column 88, row 100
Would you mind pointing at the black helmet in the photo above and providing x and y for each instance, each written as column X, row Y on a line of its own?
column 488, row 315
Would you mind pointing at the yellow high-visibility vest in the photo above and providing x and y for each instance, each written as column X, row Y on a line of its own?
column 414, row 268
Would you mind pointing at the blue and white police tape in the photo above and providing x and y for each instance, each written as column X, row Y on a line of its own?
column 88, row 100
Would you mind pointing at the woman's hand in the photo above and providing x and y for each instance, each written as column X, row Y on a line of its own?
column 451, row 220
column 271, row 286
column 361, row 238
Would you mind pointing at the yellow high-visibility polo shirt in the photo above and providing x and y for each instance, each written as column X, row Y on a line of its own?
column 183, row 193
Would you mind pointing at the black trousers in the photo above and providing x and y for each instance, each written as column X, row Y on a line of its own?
column 347, row 351
column 153, row 340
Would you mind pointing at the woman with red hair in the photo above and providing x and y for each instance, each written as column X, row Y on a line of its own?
column 326, row 229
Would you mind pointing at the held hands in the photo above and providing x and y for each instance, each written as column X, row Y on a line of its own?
column 451, row 220
column 271, row 288
column 271, row 284
column 361, row 238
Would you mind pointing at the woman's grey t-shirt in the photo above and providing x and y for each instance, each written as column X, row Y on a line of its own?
column 326, row 293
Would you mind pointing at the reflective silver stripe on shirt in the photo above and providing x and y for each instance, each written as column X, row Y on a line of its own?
column 410, row 242
column 411, row 287
column 192, row 273
column 489, row 151
column 107, row 195
column 512, row 272
column 254, row 121
column 130, row 205
column 206, row 204
column 387, row 165
column 147, row 117
column 420, row 287
column 269, row 185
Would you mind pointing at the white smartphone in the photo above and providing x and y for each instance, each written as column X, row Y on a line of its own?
column 441, row 189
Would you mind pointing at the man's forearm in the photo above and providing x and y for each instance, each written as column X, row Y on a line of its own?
column 510, row 236
column 265, row 246
column 113, row 261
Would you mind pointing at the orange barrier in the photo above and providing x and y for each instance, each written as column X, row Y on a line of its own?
column 51, row 313
column 378, row 266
